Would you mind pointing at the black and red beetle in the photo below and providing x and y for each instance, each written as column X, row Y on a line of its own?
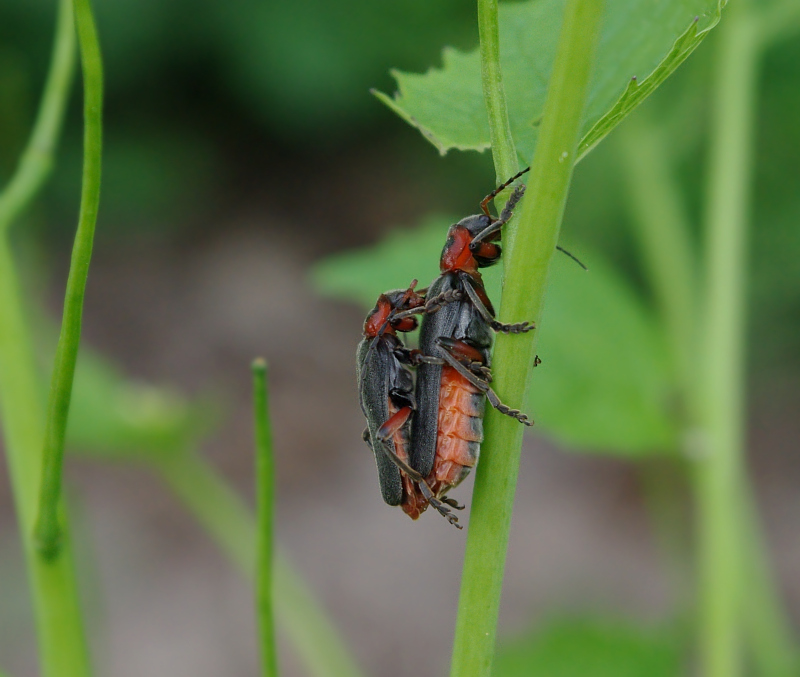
column 426, row 439
column 452, row 387
column 386, row 393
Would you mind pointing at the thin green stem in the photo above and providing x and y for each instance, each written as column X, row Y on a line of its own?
column 527, row 267
column 47, row 524
column 36, row 161
column 265, row 508
column 62, row 644
column 721, row 374
column 662, row 233
column 503, row 152
column 222, row 513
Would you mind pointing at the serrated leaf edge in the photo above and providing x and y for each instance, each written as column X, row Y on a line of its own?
column 634, row 94
column 637, row 90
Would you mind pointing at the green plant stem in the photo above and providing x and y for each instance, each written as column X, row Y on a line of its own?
column 221, row 512
column 47, row 525
column 265, row 507
column 62, row 645
column 504, row 154
column 721, row 375
column 662, row 232
column 36, row 161
column 526, row 272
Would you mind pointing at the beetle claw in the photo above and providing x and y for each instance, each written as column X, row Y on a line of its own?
column 453, row 503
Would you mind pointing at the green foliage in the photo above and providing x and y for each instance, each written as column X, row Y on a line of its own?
column 591, row 648
column 645, row 41
column 603, row 380
column 602, row 383
column 361, row 275
column 114, row 417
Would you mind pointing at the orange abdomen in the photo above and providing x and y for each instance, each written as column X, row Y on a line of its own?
column 414, row 503
column 460, row 431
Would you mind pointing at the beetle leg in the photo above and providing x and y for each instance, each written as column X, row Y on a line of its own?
column 436, row 302
column 453, row 503
column 482, row 385
column 416, row 357
column 427, row 492
column 408, row 313
column 483, row 311
column 365, row 437
column 505, row 216
column 395, row 422
column 481, row 370
column 440, row 505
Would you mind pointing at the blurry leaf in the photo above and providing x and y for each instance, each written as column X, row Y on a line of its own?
column 644, row 41
column 362, row 275
column 602, row 381
column 111, row 416
column 591, row 648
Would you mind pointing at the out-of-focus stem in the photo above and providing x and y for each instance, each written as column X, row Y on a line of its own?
column 504, row 154
column 62, row 644
column 36, row 161
column 721, row 412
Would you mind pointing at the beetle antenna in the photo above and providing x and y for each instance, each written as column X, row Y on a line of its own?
column 572, row 256
column 485, row 202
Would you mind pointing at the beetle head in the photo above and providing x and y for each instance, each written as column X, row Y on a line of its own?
column 460, row 253
column 381, row 319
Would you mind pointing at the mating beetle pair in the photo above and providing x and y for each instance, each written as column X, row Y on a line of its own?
column 426, row 439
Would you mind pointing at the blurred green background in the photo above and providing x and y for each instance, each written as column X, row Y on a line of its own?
column 243, row 146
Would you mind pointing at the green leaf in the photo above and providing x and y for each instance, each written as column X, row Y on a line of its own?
column 603, row 379
column 362, row 275
column 591, row 648
column 112, row 416
column 640, row 45
column 602, row 384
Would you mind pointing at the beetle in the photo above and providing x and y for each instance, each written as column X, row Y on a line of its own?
column 456, row 336
column 386, row 393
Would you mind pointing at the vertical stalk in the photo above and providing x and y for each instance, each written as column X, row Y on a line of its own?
column 662, row 232
column 527, row 267
column 504, row 154
column 62, row 646
column 721, row 375
column 36, row 161
column 47, row 525
column 265, row 502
